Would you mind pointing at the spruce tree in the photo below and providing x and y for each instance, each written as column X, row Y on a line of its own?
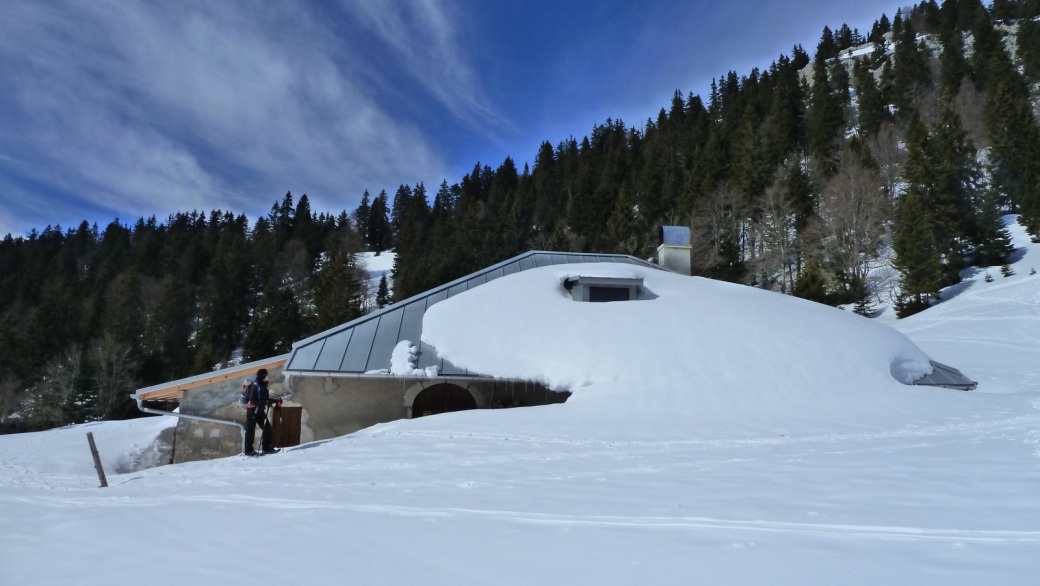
column 954, row 65
column 1006, row 270
column 361, row 216
column 338, row 297
column 812, row 283
column 991, row 241
column 911, row 75
column 917, row 258
column 872, row 105
column 380, row 236
column 382, row 293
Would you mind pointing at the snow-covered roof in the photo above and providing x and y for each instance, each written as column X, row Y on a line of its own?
column 367, row 343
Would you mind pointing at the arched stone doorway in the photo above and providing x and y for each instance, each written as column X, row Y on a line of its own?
column 442, row 398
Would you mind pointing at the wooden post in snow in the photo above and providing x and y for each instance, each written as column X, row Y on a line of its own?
column 97, row 460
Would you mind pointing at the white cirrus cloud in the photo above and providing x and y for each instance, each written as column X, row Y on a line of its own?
column 143, row 107
column 423, row 35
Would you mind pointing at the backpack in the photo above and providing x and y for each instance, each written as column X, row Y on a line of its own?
column 247, row 387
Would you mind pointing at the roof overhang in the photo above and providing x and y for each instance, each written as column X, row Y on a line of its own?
column 174, row 390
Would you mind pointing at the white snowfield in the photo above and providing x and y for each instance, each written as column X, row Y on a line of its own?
column 716, row 435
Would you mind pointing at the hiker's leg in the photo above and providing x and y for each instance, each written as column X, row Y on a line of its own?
column 265, row 437
column 250, row 428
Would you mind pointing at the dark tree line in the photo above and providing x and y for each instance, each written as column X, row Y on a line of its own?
column 904, row 148
column 87, row 315
column 793, row 178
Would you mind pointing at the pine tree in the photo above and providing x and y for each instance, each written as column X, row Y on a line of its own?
column 1006, row 270
column 917, row 258
column 811, row 283
column 361, row 217
column 954, row 65
column 991, row 241
column 911, row 75
column 380, row 236
column 873, row 108
column 988, row 278
column 826, row 117
column 382, row 293
column 338, row 297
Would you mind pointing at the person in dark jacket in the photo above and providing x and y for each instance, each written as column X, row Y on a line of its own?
column 256, row 414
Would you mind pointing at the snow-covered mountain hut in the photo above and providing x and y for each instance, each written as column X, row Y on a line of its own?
column 727, row 353
column 372, row 370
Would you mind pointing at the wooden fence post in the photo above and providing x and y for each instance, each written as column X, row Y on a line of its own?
column 97, row 460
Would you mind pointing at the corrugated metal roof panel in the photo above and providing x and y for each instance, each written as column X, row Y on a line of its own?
column 492, row 275
column 366, row 343
column 456, row 289
column 332, row 353
column 360, row 347
column 305, row 356
column 948, row 377
column 411, row 322
column 387, row 335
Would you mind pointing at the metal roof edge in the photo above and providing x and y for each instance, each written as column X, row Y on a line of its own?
column 395, row 306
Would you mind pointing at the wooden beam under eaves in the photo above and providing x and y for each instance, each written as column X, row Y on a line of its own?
column 174, row 391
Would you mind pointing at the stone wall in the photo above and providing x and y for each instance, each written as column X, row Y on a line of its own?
column 332, row 407
column 202, row 440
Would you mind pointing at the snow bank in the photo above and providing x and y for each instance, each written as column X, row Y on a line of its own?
column 693, row 353
column 124, row 446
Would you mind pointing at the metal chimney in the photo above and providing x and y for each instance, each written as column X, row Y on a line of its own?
column 674, row 251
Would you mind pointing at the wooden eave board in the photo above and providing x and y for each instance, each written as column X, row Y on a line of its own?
column 175, row 390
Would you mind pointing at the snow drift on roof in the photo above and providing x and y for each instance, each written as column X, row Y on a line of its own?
column 705, row 352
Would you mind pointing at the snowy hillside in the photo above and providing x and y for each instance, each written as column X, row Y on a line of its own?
column 377, row 266
column 758, row 454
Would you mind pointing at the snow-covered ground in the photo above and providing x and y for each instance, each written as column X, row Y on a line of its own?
column 377, row 265
column 734, row 474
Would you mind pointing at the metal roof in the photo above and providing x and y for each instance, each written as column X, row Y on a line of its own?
column 366, row 343
column 948, row 377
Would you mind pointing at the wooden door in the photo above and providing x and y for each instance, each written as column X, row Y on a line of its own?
column 285, row 426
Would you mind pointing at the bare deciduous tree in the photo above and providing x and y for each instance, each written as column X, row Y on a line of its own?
column 890, row 153
column 853, row 211
column 8, row 395
column 970, row 105
column 718, row 229
column 52, row 400
column 112, row 375
column 777, row 257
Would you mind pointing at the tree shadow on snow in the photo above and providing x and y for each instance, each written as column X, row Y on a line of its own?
column 955, row 290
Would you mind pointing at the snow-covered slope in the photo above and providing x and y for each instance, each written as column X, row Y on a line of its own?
column 992, row 329
column 377, row 265
column 745, row 477
column 57, row 456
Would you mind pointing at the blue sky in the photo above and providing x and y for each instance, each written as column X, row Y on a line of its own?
column 131, row 108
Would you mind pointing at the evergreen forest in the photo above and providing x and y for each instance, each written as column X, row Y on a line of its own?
column 875, row 169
